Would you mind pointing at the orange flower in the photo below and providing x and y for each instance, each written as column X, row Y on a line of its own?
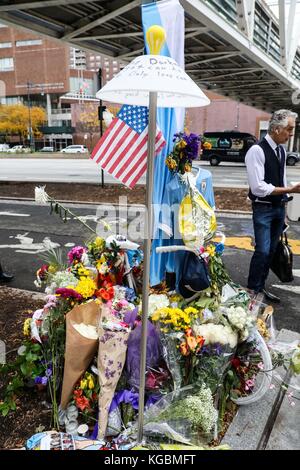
column 184, row 349
column 200, row 341
column 82, row 403
column 191, row 342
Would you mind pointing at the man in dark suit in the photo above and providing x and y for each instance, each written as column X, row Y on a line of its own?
column 268, row 191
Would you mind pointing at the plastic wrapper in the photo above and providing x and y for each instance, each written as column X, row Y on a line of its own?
column 232, row 294
column 114, row 424
column 214, row 360
column 170, row 354
column 186, row 415
column 153, row 355
column 265, row 322
column 289, row 355
column 197, row 220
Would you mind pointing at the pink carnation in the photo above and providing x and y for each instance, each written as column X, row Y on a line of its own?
column 76, row 254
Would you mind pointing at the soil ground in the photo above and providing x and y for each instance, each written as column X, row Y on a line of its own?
column 225, row 198
column 31, row 412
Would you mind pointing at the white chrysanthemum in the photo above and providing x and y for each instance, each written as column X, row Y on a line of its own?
column 157, row 301
column 41, row 197
column 237, row 317
column 216, row 334
column 61, row 279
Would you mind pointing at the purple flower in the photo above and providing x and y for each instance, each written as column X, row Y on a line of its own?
column 44, row 380
column 38, row 380
column 76, row 254
column 48, row 372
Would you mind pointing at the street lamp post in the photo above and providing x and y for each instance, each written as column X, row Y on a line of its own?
column 31, row 136
column 101, row 108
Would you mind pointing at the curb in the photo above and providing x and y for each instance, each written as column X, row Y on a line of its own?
column 220, row 212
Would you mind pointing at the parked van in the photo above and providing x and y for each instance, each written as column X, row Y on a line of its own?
column 230, row 146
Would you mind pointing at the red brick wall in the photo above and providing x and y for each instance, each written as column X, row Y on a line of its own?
column 224, row 114
column 47, row 63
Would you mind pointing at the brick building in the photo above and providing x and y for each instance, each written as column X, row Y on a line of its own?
column 43, row 72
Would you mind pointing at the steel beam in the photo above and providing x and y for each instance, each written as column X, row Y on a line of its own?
column 199, row 10
column 113, row 14
column 282, row 33
column 212, row 59
column 245, row 16
column 293, row 35
column 111, row 36
column 41, row 4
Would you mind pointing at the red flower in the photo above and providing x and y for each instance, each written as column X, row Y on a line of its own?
column 78, row 393
column 235, row 362
column 82, row 403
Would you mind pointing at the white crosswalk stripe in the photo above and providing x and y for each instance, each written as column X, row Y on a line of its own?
column 291, row 289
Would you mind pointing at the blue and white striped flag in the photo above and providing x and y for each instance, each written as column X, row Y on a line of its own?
column 170, row 15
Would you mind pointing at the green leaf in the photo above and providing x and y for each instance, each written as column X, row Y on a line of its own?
column 26, row 369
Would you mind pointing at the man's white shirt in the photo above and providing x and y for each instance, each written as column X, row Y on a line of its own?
column 255, row 163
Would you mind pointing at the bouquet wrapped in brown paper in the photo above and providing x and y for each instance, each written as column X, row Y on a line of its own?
column 81, row 345
column 113, row 337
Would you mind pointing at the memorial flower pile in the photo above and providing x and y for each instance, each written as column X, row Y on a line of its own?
column 83, row 346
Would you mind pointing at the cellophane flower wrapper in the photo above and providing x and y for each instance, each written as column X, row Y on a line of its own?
column 172, row 356
column 265, row 323
column 186, row 415
column 153, row 354
column 111, row 360
column 289, row 350
column 232, row 294
column 79, row 350
column 197, row 220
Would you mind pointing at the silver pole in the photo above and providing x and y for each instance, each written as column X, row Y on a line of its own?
column 147, row 250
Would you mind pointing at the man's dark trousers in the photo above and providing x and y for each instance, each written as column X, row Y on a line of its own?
column 268, row 222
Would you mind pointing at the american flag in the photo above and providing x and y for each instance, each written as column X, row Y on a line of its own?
column 122, row 150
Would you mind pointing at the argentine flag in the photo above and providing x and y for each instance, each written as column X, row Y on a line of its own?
column 170, row 15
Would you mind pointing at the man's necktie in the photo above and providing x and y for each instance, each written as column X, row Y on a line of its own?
column 278, row 153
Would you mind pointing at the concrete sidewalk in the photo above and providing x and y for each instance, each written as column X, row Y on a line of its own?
column 271, row 423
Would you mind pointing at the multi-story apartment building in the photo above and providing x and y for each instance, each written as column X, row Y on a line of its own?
column 43, row 72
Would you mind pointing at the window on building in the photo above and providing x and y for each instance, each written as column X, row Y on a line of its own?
column 6, row 64
column 92, row 57
column 3, row 45
column 29, row 42
column 10, row 100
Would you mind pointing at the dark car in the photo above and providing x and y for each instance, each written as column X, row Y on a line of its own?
column 227, row 146
column 292, row 158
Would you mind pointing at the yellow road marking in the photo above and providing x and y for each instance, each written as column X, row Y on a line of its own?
column 246, row 243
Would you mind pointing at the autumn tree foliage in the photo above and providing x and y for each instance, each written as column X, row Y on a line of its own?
column 89, row 120
column 14, row 120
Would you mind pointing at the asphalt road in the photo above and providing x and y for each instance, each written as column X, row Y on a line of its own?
column 25, row 229
column 86, row 171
